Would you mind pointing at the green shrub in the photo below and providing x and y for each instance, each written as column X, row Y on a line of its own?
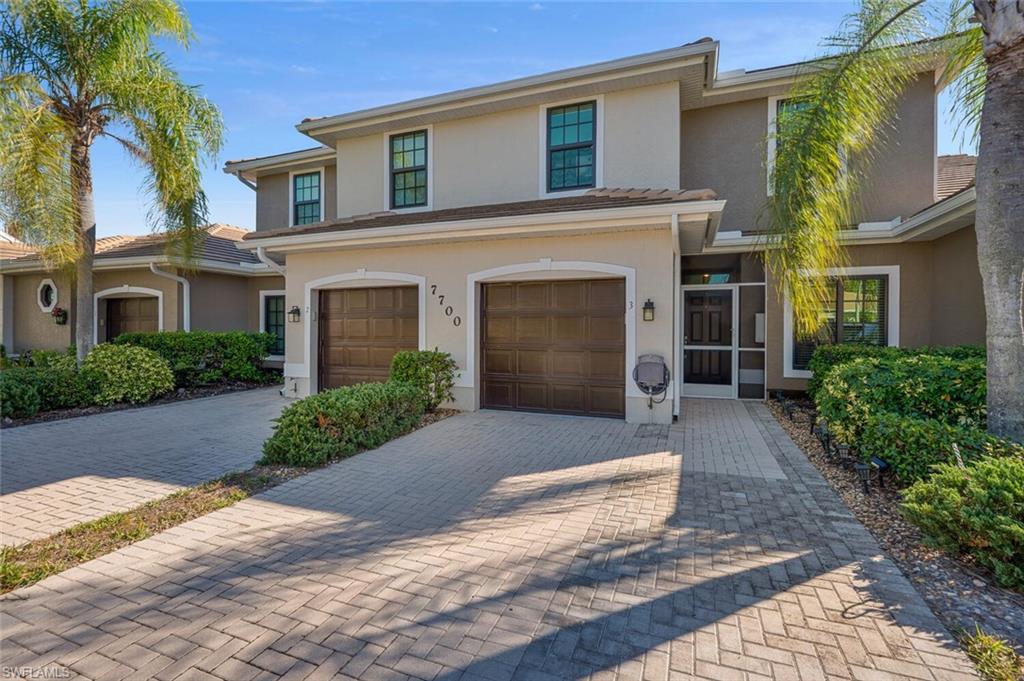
column 977, row 510
column 19, row 399
column 58, row 388
column 53, row 359
column 431, row 371
column 912, row 446
column 204, row 357
column 340, row 422
column 922, row 386
column 128, row 373
column 829, row 355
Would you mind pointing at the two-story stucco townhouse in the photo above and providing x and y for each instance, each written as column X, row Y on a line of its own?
column 550, row 230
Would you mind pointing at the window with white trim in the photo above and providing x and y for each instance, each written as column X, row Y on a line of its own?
column 409, row 169
column 46, row 295
column 306, row 195
column 779, row 107
column 856, row 311
column 571, row 146
column 273, row 321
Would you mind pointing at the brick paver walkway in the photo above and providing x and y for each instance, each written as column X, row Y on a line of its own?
column 54, row 475
column 495, row 546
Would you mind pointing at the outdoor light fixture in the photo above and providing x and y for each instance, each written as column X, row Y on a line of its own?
column 864, row 473
column 649, row 310
column 294, row 314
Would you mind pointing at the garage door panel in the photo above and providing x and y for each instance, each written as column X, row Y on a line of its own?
column 568, row 341
column 131, row 315
column 361, row 330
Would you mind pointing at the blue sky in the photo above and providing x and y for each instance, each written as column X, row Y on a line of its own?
column 268, row 65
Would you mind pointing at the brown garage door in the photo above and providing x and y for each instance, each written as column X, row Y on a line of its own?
column 555, row 346
column 127, row 315
column 361, row 329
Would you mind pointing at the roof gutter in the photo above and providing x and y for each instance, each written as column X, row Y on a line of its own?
column 186, row 294
column 265, row 259
column 241, row 178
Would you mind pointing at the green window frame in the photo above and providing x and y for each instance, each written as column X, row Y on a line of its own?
column 409, row 169
column 571, row 146
column 306, row 198
column 273, row 322
column 861, row 302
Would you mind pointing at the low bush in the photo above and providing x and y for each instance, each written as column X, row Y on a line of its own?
column 340, row 422
column 431, row 371
column 58, row 387
column 913, row 447
column 829, row 355
column 976, row 510
column 921, row 386
column 204, row 357
column 19, row 399
column 128, row 373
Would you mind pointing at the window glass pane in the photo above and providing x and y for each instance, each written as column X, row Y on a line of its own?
column 571, row 146
column 306, row 197
column 864, row 311
column 273, row 322
column 803, row 346
column 409, row 169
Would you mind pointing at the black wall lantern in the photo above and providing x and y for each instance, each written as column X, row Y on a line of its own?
column 294, row 314
column 649, row 310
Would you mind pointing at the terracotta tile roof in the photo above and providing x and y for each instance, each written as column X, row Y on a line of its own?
column 11, row 247
column 593, row 199
column 218, row 245
column 955, row 173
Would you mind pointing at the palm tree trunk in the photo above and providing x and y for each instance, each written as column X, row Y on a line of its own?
column 85, row 208
column 1000, row 213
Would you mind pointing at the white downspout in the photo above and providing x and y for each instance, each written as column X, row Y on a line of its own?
column 677, row 318
column 186, row 307
column 265, row 259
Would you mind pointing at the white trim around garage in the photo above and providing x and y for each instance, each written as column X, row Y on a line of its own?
column 467, row 377
column 263, row 316
column 892, row 307
column 138, row 290
column 359, row 279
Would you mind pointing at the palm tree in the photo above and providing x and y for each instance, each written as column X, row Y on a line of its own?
column 825, row 144
column 72, row 71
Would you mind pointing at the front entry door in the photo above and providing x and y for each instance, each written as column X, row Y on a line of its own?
column 708, row 338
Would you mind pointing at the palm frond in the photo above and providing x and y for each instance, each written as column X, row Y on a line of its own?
column 824, row 146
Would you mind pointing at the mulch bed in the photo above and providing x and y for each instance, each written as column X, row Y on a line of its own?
column 29, row 563
column 960, row 594
column 179, row 395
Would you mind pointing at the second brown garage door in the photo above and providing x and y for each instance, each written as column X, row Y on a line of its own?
column 361, row 329
column 555, row 346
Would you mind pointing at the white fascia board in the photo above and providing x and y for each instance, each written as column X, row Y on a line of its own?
column 144, row 262
column 675, row 57
column 439, row 229
column 280, row 160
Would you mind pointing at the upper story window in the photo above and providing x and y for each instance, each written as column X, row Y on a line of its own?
column 307, row 197
column 856, row 312
column 777, row 108
column 571, row 146
column 409, row 169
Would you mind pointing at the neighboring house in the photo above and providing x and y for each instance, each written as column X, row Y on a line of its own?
column 138, row 287
column 548, row 231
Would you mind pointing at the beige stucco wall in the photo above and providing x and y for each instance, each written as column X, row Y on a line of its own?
column 722, row 148
column 941, row 302
column 219, row 302
column 497, row 157
column 447, row 267
column 34, row 329
column 272, row 192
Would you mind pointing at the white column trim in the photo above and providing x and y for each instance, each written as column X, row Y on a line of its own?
column 892, row 307
column 467, row 376
column 141, row 290
column 307, row 369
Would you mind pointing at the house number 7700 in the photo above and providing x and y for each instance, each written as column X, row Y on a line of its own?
column 448, row 310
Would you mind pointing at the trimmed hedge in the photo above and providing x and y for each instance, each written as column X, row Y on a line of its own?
column 204, row 357
column 58, row 388
column 19, row 399
column 340, row 422
column 921, row 386
column 913, row 447
column 128, row 373
column 431, row 371
column 976, row 510
column 829, row 355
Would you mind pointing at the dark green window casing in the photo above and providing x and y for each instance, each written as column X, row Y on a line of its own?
column 571, row 146
column 273, row 322
column 306, row 198
column 409, row 169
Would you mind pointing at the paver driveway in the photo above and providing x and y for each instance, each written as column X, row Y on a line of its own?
column 54, row 475
column 498, row 546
